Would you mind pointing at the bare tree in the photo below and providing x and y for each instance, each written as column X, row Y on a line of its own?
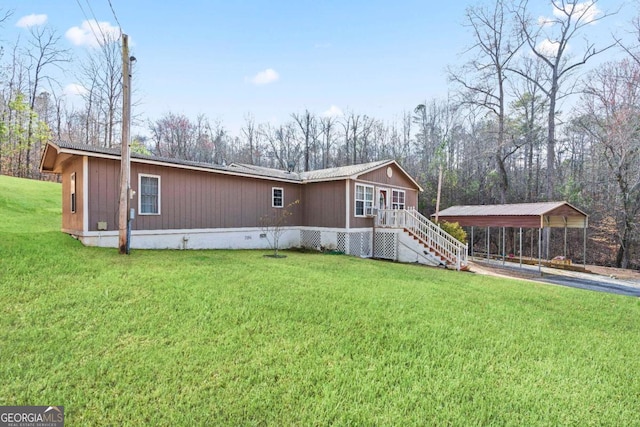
column 173, row 136
column 43, row 53
column 351, row 127
column 483, row 78
column 612, row 104
column 251, row 136
column 286, row 149
column 327, row 126
column 274, row 224
column 101, row 77
column 307, row 124
column 549, row 39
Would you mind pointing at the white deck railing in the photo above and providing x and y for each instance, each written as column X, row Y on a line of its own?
column 441, row 242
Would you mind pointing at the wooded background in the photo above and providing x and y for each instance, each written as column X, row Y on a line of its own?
column 527, row 120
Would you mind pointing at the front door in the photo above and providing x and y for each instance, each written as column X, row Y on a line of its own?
column 383, row 204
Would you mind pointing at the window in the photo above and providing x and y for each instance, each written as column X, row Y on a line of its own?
column 73, row 192
column 397, row 199
column 364, row 200
column 277, row 197
column 149, row 202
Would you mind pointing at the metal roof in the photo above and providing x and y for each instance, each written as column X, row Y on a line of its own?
column 515, row 209
column 350, row 171
column 342, row 172
column 339, row 172
column 536, row 215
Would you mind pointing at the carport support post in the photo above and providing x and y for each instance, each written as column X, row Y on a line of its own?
column 520, row 247
column 488, row 238
column 531, row 244
column 584, row 244
column 472, row 241
column 565, row 236
column 504, row 244
column 539, row 251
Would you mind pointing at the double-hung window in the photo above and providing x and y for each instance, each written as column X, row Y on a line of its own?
column 397, row 199
column 149, row 202
column 277, row 197
column 364, row 200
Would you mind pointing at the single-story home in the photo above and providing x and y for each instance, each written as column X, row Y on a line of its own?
column 359, row 209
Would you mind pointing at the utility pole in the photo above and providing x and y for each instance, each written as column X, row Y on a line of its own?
column 438, row 194
column 125, row 171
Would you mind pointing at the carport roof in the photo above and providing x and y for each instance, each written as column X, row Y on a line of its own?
column 526, row 215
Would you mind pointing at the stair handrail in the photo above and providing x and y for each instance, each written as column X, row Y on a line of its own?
column 430, row 233
column 442, row 242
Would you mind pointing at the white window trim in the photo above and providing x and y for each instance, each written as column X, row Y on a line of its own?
column 404, row 198
column 364, row 207
column 146, row 175
column 273, row 197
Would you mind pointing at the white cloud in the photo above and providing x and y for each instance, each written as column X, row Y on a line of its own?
column 543, row 21
column 32, row 20
column 587, row 11
column 92, row 33
column 333, row 111
column 265, row 77
column 75, row 89
column 548, row 47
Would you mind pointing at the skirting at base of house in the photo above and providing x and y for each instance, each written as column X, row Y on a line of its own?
column 391, row 244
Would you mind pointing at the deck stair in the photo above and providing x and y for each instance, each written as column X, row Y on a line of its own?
column 435, row 241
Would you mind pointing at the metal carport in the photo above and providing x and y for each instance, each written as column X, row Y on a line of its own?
column 520, row 215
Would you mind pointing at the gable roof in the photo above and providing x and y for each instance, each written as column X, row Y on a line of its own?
column 328, row 174
column 534, row 215
column 50, row 163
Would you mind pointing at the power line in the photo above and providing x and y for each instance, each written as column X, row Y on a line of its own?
column 115, row 16
column 95, row 19
column 89, row 22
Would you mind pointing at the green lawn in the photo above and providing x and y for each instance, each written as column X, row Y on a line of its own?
column 234, row 338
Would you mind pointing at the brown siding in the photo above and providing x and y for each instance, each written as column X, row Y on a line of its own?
column 398, row 179
column 193, row 199
column 411, row 199
column 72, row 221
column 188, row 199
column 104, row 182
column 323, row 204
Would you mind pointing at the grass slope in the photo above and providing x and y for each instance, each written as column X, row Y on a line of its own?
column 234, row 338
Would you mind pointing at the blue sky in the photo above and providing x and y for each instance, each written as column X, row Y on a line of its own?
column 274, row 58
